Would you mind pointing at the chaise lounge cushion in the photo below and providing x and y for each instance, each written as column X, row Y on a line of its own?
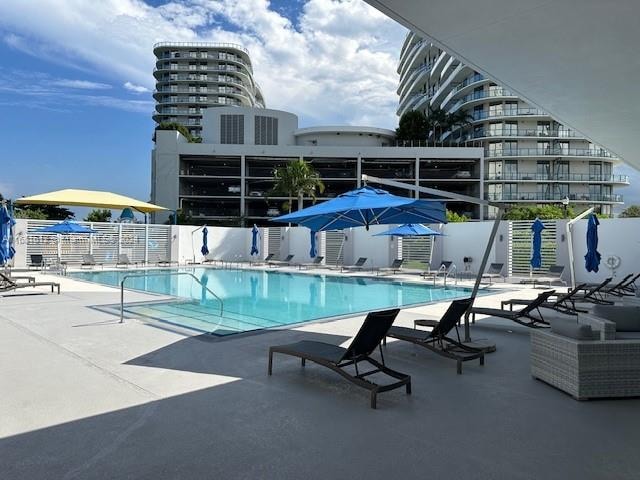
column 626, row 318
column 571, row 329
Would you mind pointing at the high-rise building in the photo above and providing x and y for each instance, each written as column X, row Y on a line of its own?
column 191, row 77
column 530, row 158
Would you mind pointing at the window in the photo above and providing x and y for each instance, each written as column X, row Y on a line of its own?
column 510, row 148
column 495, row 109
column 544, row 148
column 495, row 129
column 193, row 54
column 543, row 129
column 510, row 191
column 202, row 98
column 564, row 147
column 563, row 190
column 495, row 149
column 543, row 170
column 495, row 170
column 510, row 108
column 266, row 130
column 192, row 66
column 232, row 129
column 511, row 128
column 543, row 191
column 595, row 170
column 562, row 170
column 511, row 169
column 203, row 89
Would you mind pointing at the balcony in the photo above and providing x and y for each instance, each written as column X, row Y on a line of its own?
column 510, row 132
column 508, row 112
column 206, row 45
column 553, row 197
column 412, row 100
column 568, row 177
column 497, row 92
column 476, row 78
column 547, row 152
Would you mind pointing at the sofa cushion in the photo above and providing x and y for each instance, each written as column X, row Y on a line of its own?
column 569, row 328
column 626, row 318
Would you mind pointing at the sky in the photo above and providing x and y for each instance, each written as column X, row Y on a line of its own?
column 76, row 82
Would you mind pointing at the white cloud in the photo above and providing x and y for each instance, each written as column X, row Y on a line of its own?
column 81, row 84
column 335, row 65
column 132, row 87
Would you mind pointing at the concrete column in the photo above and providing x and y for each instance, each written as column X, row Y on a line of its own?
column 359, row 172
column 481, row 193
column 416, row 193
column 243, row 175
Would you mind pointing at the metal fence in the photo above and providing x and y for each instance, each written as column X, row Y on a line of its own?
column 141, row 243
column 520, row 247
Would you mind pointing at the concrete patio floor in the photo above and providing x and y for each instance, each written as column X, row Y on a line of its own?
column 83, row 396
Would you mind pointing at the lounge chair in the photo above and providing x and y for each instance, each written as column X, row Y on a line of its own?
column 554, row 274
column 316, row 262
column 28, row 278
column 359, row 265
column 8, row 284
column 336, row 358
column 395, row 267
column 444, row 269
column 163, row 261
column 523, row 316
column 625, row 287
column 494, row 271
column 123, row 260
column 89, row 261
column 594, row 294
column 437, row 340
column 281, row 263
column 36, row 261
column 565, row 303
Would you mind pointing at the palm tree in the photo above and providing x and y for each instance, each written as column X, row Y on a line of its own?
column 438, row 122
column 297, row 179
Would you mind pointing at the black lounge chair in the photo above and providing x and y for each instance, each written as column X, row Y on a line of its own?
column 523, row 316
column 554, row 274
column 123, row 260
column 565, row 303
column 36, row 260
column 281, row 263
column 359, row 265
column 8, row 284
column 444, row 269
column 316, row 262
column 626, row 287
column 494, row 271
column 395, row 267
column 437, row 340
column 336, row 358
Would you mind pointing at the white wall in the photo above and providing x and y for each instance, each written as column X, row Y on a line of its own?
column 617, row 236
column 223, row 243
column 467, row 239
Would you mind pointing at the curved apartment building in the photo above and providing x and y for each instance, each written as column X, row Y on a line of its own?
column 530, row 158
column 191, row 77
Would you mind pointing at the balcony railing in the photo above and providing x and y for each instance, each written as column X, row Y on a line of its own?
column 507, row 112
column 510, row 132
column 542, row 152
column 568, row 177
column 553, row 197
column 200, row 45
column 477, row 77
column 211, row 68
column 497, row 92
column 167, row 89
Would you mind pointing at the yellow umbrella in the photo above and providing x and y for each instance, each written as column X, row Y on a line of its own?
column 89, row 198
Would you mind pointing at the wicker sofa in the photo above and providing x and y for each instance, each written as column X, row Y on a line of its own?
column 595, row 367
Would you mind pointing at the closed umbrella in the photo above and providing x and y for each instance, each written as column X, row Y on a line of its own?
column 536, row 254
column 6, row 226
column 366, row 206
column 255, row 233
column 592, row 258
column 205, row 249
column 313, row 252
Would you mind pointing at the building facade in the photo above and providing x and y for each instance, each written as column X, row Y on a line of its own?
column 191, row 77
column 226, row 179
column 529, row 157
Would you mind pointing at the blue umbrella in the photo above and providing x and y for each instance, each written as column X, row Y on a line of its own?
column 313, row 252
column 6, row 225
column 536, row 256
column 254, row 240
column 592, row 258
column 363, row 207
column 205, row 249
column 410, row 230
column 66, row 227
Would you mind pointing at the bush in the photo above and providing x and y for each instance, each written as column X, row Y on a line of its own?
column 631, row 212
column 453, row 217
column 98, row 215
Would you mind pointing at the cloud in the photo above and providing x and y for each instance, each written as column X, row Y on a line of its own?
column 334, row 63
column 132, row 87
column 81, row 84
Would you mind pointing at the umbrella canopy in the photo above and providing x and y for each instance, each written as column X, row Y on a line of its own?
column 254, row 240
column 410, row 230
column 313, row 252
column 89, row 198
column 592, row 258
column 66, row 227
column 536, row 255
column 205, row 249
column 6, row 225
column 363, row 207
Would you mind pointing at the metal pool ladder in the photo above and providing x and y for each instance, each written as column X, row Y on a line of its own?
column 163, row 274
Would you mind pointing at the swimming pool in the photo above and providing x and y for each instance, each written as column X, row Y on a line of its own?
column 257, row 299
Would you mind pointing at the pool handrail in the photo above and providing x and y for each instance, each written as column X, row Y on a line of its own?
column 160, row 274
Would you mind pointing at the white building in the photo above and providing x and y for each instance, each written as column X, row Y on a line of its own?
column 190, row 77
column 225, row 180
column 529, row 156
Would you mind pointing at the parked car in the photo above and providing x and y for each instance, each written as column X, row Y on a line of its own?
column 234, row 189
column 256, row 193
column 273, row 212
column 462, row 174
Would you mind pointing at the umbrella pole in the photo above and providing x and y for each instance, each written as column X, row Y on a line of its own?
column 483, row 264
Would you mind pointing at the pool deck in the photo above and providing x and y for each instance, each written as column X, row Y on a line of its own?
column 84, row 396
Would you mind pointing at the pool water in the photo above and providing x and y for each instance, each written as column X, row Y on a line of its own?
column 257, row 299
